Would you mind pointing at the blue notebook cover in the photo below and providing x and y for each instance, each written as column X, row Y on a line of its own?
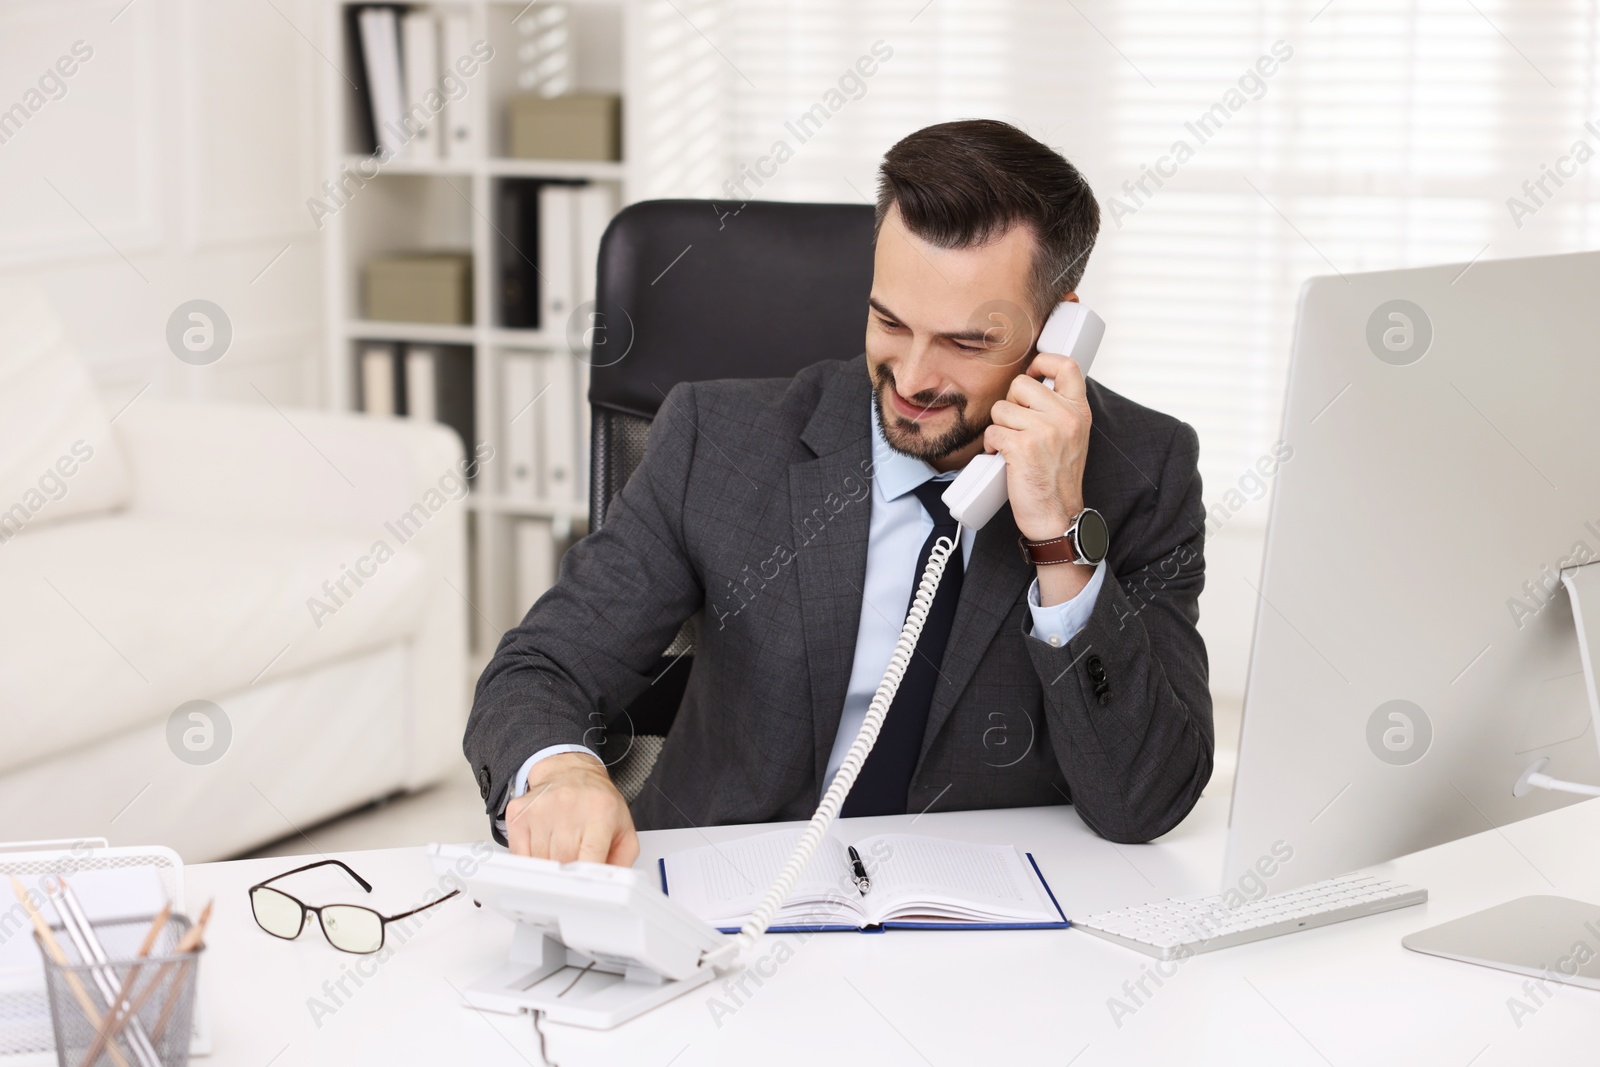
column 878, row 929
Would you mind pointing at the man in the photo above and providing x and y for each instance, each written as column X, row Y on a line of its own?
column 794, row 516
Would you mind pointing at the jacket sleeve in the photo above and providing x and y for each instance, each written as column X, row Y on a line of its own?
column 623, row 593
column 1128, row 698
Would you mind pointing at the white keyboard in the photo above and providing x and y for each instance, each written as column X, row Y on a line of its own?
column 1171, row 929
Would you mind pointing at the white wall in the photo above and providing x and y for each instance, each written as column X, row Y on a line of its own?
column 172, row 165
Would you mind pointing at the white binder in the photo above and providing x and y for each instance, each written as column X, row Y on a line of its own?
column 419, row 40
column 523, row 374
column 380, row 47
column 557, row 419
column 557, row 208
column 378, row 378
column 462, row 132
column 422, row 375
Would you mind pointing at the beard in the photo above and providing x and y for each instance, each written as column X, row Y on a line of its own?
column 908, row 437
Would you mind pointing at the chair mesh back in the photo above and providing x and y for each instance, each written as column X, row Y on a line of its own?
column 617, row 442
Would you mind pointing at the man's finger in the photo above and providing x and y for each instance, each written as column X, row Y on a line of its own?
column 596, row 844
column 998, row 438
column 1069, row 380
column 517, row 836
column 538, row 842
column 1014, row 416
column 564, row 845
column 1032, row 393
column 1053, row 365
column 624, row 848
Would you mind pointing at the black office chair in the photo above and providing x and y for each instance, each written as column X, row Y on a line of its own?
column 691, row 290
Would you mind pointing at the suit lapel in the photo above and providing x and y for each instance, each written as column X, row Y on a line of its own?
column 830, row 507
column 996, row 577
column 831, row 562
column 831, row 554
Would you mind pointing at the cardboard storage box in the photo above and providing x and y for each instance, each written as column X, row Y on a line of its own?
column 584, row 126
column 419, row 287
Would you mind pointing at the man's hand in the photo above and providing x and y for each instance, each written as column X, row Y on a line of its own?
column 571, row 811
column 1044, row 435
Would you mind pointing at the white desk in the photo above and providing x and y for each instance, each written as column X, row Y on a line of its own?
column 1346, row 994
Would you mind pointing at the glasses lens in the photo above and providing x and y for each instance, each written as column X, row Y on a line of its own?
column 352, row 929
column 278, row 915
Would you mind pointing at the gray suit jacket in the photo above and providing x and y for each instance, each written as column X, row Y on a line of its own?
column 750, row 512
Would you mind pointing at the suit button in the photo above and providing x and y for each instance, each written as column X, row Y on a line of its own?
column 484, row 781
column 1097, row 669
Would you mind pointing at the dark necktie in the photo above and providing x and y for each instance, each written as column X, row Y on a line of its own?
column 881, row 787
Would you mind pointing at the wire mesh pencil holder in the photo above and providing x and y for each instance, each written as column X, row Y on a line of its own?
column 146, row 1020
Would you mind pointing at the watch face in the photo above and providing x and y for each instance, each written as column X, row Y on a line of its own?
column 1094, row 537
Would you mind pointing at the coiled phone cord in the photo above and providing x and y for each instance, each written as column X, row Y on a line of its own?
column 866, row 737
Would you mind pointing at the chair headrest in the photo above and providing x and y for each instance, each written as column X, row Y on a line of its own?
column 692, row 290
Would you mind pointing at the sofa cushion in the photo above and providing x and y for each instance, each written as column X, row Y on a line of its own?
column 112, row 622
column 58, row 458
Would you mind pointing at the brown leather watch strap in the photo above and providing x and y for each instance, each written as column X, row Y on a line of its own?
column 1043, row 553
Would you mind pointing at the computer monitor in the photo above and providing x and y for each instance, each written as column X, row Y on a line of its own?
column 1414, row 650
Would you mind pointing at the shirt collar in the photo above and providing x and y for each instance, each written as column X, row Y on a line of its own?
column 895, row 472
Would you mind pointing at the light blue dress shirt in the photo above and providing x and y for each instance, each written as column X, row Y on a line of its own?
column 899, row 526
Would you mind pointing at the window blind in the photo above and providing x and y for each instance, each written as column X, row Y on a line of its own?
column 1323, row 138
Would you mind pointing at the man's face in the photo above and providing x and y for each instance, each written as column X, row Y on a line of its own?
column 947, row 331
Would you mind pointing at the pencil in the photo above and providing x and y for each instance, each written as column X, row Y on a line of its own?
column 53, row 948
column 192, row 941
column 119, row 1017
column 156, row 924
column 185, row 944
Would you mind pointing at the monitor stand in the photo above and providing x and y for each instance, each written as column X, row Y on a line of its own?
column 1550, row 938
column 1583, row 585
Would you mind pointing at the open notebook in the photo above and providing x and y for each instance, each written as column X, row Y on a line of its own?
column 916, row 883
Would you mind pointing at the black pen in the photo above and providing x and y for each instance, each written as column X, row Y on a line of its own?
column 858, row 870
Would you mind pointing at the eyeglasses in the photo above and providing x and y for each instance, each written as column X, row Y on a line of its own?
column 348, row 927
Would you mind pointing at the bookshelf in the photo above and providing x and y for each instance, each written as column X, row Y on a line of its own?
column 450, row 200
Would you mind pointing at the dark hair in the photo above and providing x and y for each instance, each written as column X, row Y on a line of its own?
column 959, row 184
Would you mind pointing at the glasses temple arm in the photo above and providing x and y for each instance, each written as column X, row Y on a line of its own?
column 362, row 882
column 425, row 907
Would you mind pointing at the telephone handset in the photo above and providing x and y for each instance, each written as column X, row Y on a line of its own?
column 980, row 490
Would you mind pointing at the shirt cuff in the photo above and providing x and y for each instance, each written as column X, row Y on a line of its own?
column 519, row 784
column 1060, row 623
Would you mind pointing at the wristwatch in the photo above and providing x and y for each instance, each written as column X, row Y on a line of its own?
column 1086, row 541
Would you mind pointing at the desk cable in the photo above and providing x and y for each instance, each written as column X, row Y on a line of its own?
column 544, row 1057
column 538, row 1014
column 845, row 777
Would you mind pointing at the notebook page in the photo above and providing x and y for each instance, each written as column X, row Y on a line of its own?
column 725, row 882
column 932, row 876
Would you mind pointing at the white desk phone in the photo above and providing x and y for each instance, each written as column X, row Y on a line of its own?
column 980, row 490
column 634, row 947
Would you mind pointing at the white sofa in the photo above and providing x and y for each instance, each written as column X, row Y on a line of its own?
column 206, row 553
